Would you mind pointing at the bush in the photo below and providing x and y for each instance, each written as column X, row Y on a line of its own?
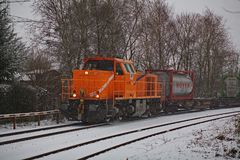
column 18, row 98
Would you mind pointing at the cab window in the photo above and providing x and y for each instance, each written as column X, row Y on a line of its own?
column 104, row 65
column 128, row 68
column 119, row 69
column 132, row 68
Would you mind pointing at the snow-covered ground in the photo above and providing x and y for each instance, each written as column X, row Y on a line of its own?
column 173, row 145
column 199, row 142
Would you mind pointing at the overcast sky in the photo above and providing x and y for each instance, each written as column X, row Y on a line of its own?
column 219, row 7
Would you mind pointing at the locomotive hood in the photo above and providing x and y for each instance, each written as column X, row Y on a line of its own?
column 93, row 83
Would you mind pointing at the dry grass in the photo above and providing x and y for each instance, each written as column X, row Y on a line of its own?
column 237, row 126
column 224, row 141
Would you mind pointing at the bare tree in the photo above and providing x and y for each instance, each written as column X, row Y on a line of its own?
column 157, row 35
column 36, row 64
column 212, row 48
column 132, row 27
column 186, row 38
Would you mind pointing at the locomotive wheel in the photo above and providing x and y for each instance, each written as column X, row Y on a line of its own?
column 130, row 109
column 108, row 119
column 120, row 115
column 120, row 118
column 149, row 114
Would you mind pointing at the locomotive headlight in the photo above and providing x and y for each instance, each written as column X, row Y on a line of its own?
column 86, row 72
column 97, row 94
column 74, row 94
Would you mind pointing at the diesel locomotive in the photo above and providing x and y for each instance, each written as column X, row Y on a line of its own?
column 109, row 88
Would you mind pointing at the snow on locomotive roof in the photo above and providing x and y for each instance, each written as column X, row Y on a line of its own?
column 107, row 58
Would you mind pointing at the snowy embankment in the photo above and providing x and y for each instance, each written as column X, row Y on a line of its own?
column 181, row 144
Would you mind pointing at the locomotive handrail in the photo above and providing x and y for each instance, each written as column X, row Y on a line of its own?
column 119, row 89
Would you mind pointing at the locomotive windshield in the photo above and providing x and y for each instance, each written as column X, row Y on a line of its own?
column 105, row 65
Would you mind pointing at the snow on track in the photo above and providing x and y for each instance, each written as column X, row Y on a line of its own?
column 24, row 135
column 46, row 133
column 169, row 146
column 82, row 152
column 25, row 149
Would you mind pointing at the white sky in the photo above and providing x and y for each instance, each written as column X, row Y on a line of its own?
column 219, row 7
column 198, row 6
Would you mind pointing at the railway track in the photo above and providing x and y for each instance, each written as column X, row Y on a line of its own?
column 15, row 140
column 80, row 123
column 131, row 136
column 46, row 134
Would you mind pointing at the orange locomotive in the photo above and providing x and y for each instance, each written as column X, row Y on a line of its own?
column 110, row 88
